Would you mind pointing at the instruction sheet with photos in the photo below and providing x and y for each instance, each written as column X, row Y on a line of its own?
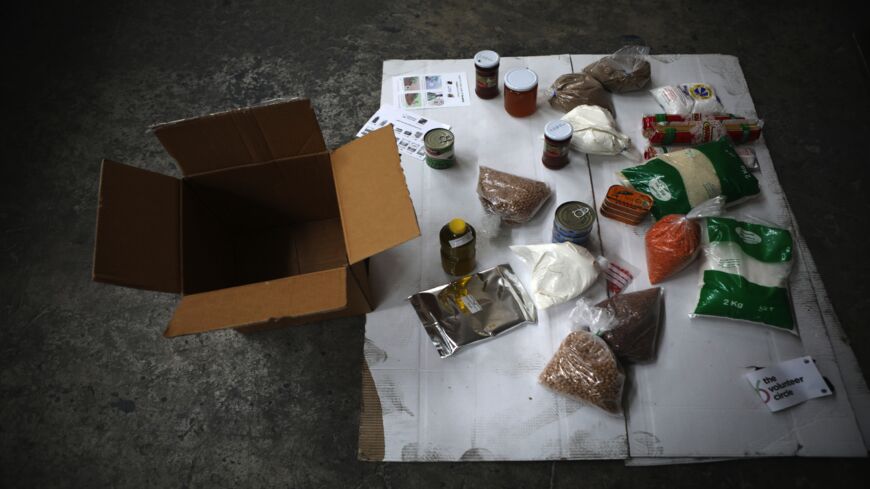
column 430, row 91
column 409, row 129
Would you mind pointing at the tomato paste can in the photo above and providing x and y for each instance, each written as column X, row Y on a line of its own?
column 439, row 148
column 573, row 223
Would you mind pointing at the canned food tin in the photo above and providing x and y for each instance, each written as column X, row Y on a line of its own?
column 619, row 215
column 626, row 205
column 573, row 222
column 439, row 148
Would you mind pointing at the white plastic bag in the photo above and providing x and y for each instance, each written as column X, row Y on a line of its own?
column 560, row 271
column 595, row 132
column 688, row 98
column 745, row 273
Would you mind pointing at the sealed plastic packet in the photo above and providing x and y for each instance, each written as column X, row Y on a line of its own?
column 619, row 275
column 586, row 369
column 595, row 132
column 474, row 308
column 628, row 323
column 625, row 70
column 688, row 98
column 739, row 131
column 745, row 273
column 573, row 89
column 513, row 198
column 560, row 271
column 673, row 242
column 682, row 180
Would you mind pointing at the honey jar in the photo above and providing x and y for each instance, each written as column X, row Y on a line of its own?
column 520, row 92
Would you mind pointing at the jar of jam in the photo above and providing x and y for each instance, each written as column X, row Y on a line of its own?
column 520, row 92
column 486, row 74
column 557, row 140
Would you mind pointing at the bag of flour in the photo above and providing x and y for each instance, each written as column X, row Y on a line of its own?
column 560, row 271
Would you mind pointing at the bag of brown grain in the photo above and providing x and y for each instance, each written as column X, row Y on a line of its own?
column 513, row 198
column 628, row 323
column 625, row 70
column 585, row 368
column 573, row 89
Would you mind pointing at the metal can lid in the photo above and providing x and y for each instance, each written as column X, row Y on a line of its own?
column 575, row 216
column 486, row 59
column 438, row 139
column 558, row 130
column 521, row 80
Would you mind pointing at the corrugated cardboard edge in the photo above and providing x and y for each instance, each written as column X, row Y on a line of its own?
column 265, row 103
column 371, row 422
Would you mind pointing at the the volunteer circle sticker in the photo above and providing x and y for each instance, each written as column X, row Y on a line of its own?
column 762, row 392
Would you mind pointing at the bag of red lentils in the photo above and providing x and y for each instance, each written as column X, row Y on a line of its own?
column 673, row 242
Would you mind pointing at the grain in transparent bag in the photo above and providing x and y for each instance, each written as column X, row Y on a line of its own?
column 586, row 369
column 513, row 198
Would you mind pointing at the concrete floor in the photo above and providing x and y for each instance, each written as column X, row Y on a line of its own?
column 93, row 396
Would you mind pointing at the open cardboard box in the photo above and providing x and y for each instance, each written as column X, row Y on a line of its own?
column 265, row 229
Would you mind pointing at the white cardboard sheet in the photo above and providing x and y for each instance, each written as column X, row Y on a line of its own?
column 485, row 404
column 693, row 402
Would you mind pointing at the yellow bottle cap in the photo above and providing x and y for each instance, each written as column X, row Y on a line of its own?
column 457, row 226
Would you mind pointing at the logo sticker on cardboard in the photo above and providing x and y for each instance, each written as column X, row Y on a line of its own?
column 789, row 383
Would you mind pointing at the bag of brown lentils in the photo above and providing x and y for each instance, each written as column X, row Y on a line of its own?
column 625, row 70
column 628, row 323
column 585, row 368
column 513, row 198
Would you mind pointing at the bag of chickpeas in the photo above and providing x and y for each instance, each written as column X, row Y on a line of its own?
column 586, row 369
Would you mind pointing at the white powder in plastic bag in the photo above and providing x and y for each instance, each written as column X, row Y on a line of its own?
column 688, row 98
column 560, row 271
column 595, row 131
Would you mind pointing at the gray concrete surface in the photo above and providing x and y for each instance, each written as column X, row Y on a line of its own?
column 93, row 396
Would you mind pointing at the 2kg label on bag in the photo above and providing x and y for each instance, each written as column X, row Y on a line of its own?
column 789, row 383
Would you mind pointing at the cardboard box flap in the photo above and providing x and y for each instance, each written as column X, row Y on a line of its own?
column 376, row 208
column 295, row 296
column 137, row 241
column 278, row 129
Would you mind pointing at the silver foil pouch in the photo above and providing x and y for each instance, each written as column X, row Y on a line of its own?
column 473, row 308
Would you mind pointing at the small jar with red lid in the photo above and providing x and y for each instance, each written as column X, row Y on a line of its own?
column 557, row 142
column 520, row 92
column 486, row 74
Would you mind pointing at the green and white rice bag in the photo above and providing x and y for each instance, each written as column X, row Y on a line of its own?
column 745, row 273
column 681, row 180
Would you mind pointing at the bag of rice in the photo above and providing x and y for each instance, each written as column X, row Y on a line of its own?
column 673, row 242
column 745, row 273
column 682, row 180
column 688, row 98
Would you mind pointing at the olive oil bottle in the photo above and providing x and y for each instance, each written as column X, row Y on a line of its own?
column 457, row 247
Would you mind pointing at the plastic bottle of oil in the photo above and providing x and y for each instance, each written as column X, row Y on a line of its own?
column 457, row 247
